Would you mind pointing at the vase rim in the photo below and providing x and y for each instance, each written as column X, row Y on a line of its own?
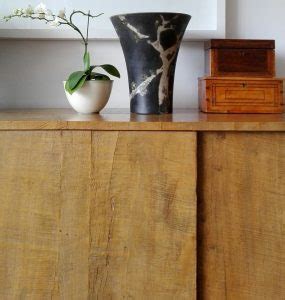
column 151, row 13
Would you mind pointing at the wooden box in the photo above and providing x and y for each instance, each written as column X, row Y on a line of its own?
column 241, row 95
column 251, row 58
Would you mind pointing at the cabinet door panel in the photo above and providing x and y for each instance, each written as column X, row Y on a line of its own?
column 143, row 209
column 241, row 216
column 44, row 217
column 97, row 215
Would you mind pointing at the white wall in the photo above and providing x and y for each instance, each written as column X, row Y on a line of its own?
column 259, row 19
column 31, row 71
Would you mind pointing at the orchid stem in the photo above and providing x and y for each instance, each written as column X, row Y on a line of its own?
column 88, row 23
column 62, row 21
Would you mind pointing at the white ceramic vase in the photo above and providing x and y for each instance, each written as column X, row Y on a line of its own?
column 92, row 97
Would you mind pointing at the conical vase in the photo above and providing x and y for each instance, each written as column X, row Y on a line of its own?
column 151, row 42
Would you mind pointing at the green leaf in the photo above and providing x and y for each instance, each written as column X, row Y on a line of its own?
column 92, row 68
column 67, row 88
column 99, row 76
column 111, row 70
column 74, row 79
column 86, row 60
column 78, row 86
column 89, row 72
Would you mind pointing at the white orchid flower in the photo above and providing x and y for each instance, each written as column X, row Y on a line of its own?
column 62, row 14
column 29, row 10
column 18, row 12
column 49, row 13
column 41, row 9
column 55, row 22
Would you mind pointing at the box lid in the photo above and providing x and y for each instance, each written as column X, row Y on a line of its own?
column 239, row 44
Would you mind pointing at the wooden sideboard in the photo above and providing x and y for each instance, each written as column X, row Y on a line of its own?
column 120, row 206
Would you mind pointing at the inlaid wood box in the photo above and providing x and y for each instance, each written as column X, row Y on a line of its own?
column 241, row 95
column 251, row 58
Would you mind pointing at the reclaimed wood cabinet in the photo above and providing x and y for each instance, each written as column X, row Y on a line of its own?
column 119, row 206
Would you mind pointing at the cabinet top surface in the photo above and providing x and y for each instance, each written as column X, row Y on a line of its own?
column 121, row 119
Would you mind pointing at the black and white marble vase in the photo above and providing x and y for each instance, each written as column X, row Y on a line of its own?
column 151, row 43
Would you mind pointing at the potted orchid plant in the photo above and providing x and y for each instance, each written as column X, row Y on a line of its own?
column 87, row 90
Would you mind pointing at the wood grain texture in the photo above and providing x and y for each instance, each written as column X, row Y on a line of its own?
column 103, row 215
column 143, row 227
column 239, row 44
column 72, row 274
column 29, row 214
column 43, row 178
column 240, row 62
column 121, row 119
column 241, row 95
column 241, row 227
column 241, row 58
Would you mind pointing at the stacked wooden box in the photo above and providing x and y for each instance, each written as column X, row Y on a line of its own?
column 240, row 78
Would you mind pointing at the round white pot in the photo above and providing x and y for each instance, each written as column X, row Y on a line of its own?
column 92, row 97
